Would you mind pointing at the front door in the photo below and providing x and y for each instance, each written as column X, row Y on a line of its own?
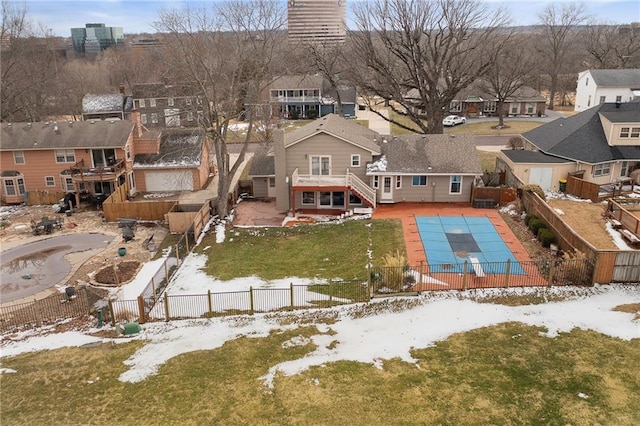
column 387, row 189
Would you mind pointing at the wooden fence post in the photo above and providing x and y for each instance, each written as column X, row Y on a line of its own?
column 210, row 302
column 251, row 299
column 186, row 240
column 113, row 313
column 291, row 294
column 465, row 269
column 166, row 307
column 141, row 310
column 506, row 274
column 552, row 268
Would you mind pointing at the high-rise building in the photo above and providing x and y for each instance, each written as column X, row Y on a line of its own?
column 317, row 21
column 94, row 38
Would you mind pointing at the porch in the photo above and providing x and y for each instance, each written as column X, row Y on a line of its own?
column 330, row 192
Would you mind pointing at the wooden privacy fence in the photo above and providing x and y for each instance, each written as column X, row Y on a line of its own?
column 44, row 311
column 499, row 195
column 583, row 189
column 39, row 198
column 609, row 266
column 180, row 222
column 622, row 211
column 143, row 210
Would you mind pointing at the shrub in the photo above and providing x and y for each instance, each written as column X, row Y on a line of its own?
column 312, row 114
column 546, row 237
column 528, row 218
column 535, row 225
column 536, row 189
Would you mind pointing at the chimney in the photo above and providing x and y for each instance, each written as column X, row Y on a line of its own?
column 135, row 117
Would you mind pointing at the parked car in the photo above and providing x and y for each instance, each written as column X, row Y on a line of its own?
column 452, row 120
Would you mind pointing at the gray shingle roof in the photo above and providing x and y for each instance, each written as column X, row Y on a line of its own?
column 582, row 138
column 445, row 154
column 182, row 148
column 263, row 164
column 528, row 156
column 338, row 127
column 76, row 134
column 628, row 78
column 297, row 82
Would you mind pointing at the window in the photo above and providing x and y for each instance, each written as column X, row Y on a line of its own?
column 624, row 168
column 320, row 165
column 67, row 184
column 455, row 186
column 530, row 108
column 152, row 103
column 355, row 160
column 18, row 157
column 455, row 106
column 603, row 169
column 589, row 101
column 154, row 118
column 49, row 181
column 398, row 182
column 132, row 181
column 515, row 109
column 103, row 157
column 618, row 98
column 635, row 132
column 143, row 118
column 490, row 106
column 170, row 101
column 419, row 181
column 65, row 156
column 272, row 182
column 624, row 132
column 189, row 116
column 200, row 116
column 187, row 101
column 141, row 103
column 376, row 181
column 586, row 83
column 308, row 197
column 603, row 99
column 13, row 184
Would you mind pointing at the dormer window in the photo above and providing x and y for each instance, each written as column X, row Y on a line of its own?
column 587, row 82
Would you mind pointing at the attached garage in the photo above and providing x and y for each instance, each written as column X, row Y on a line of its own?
column 157, row 181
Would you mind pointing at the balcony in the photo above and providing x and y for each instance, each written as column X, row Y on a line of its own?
column 97, row 174
column 295, row 99
column 320, row 182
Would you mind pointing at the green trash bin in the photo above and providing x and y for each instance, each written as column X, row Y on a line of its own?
column 563, row 185
column 131, row 328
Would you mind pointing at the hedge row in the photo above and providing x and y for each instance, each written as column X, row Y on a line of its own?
column 540, row 230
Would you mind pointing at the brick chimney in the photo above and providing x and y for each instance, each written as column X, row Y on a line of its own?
column 135, row 117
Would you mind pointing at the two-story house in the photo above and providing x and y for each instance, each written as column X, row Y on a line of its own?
column 310, row 96
column 333, row 165
column 595, row 87
column 602, row 143
column 162, row 105
column 92, row 156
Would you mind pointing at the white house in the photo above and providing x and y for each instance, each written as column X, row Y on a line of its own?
column 595, row 87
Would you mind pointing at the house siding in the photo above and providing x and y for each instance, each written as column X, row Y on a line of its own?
column 436, row 190
column 260, row 187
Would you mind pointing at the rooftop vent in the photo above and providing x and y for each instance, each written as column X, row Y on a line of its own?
column 93, row 121
column 9, row 124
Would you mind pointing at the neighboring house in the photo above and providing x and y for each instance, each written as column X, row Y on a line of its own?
column 477, row 100
column 178, row 162
column 333, row 164
column 93, row 157
column 163, row 106
column 103, row 107
column 595, row 87
column 602, row 143
column 310, row 96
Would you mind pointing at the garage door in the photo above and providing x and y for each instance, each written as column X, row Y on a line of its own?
column 541, row 176
column 169, row 181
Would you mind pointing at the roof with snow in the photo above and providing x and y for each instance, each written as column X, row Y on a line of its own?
column 103, row 103
column 72, row 134
column 581, row 137
column 178, row 149
column 426, row 154
column 339, row 127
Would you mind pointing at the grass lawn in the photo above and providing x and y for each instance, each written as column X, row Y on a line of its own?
column 504, row 374
column 512, row 127
column 488, row 160
column 331, row 251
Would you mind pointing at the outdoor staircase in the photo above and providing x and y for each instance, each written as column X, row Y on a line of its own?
column 361, row 189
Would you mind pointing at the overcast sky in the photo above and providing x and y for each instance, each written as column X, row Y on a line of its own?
column 136, row 16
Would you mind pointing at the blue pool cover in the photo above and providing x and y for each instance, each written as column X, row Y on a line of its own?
column 449, row 241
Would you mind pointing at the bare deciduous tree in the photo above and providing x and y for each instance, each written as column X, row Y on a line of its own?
column 559, row 34
column 612, row 46
column 417, row 55
column 227, row 54
column 511, row 64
